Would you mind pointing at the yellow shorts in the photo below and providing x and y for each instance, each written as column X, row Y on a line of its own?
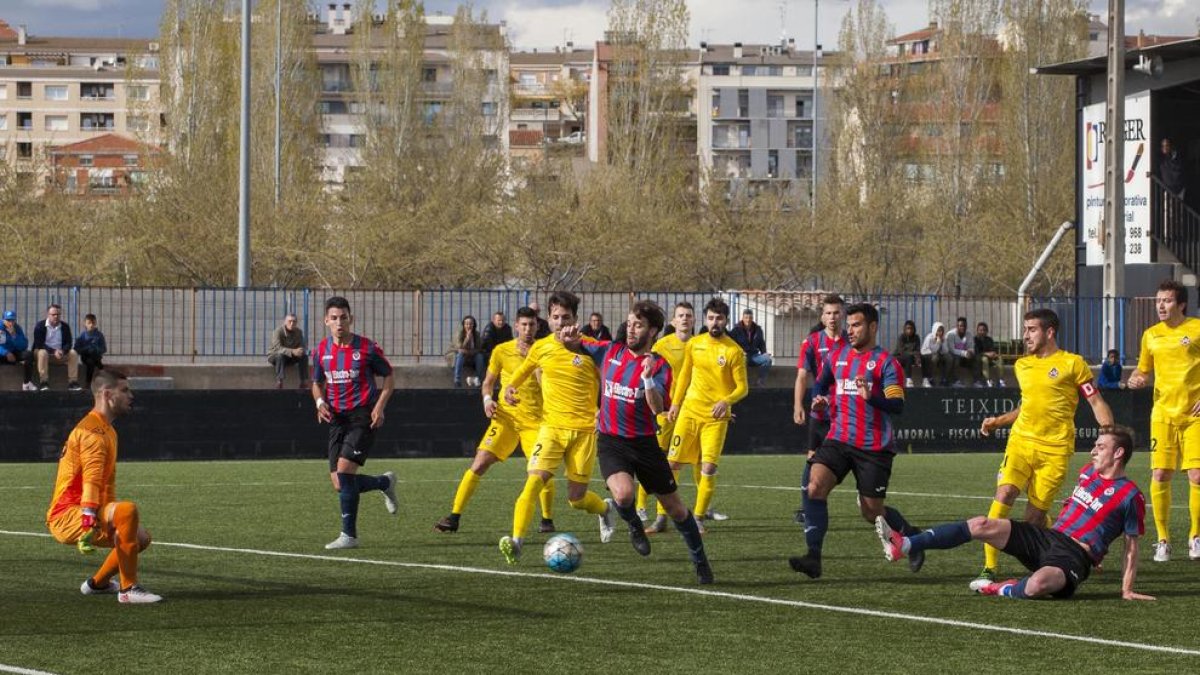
column 1175, row 445
column 666, row 429
column 697, row 440
column 503, row 435
column 576, row 448
column 1038, row 470
column 67, row 527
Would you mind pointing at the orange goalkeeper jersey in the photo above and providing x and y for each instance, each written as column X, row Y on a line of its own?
column 87, row 469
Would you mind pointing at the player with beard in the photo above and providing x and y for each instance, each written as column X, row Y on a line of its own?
column 635, row 388
column 711, row 381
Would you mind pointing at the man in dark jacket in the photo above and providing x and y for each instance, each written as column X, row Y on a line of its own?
column 91, row 347
column 14, row 348
column 497, row 332
column 749, row 336
column 52, row 344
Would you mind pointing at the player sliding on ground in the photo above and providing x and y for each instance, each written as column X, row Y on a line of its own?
column 1105, row 505
column 1043, row 427
column 84, row 510
column 868, row 387
column 568, row 433
column 510, row 423
column 636, row 387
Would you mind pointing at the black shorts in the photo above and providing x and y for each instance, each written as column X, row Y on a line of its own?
column 1038, row 547
column 640, row 457
column 350, row 436
column 871, row 469
column 817, row 431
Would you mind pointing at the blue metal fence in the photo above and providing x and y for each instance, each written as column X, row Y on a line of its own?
column 223, row 324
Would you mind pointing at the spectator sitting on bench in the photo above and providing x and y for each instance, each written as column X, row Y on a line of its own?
column 14, row 348
column 753, row 342
column 467, row 350
column 90, row 346
column 988, row 366
column 908, row 351
column 52, row 344
column 935, row 356
column 1110, row 371
column 288, row 347
column 962, row 350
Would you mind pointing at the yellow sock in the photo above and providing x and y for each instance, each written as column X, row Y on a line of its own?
column 641, row 497
column 466, row 488
column 704, row 493
column 523, row 511
column 696, row 473
column 547, row 500
column 1194, row 509
column 991, row 554
column 591, row 502
column 662, row 510
column 1160, row 499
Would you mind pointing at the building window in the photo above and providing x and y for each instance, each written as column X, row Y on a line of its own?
column 138, row 92
column 775, row 71
column 137, row 123
column 432, row 110
column 773, row 164
column 749, row 70
column 56, row 122
column 720, row 69
column 3, row 121
column 25, row 121
column 56, row 92
column 24, row 90
column 86, row 160
column 490, row 76
column 799, row 107
column 131, row 160
column 429, row 74
column 743, row 103
column 72, row 182
column 775, row 105
column 24, row 150
column 489, row 108
column 3, row 91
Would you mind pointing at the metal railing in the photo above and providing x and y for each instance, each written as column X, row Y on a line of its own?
column 1174, row 224
column 217, row 325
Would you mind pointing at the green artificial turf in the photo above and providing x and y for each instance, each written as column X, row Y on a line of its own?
column 240, row 611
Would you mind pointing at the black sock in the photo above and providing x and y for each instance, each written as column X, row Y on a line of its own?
column 368, row 483
column 348, row 498
column 629, row 514
column 897, row 522
column 691, row 537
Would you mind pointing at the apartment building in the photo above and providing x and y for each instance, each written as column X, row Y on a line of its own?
column 56, row 91
column 549, row 92
column 343, row 109
column 756, row 114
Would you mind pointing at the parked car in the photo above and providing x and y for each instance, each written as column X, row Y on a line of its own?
column 574, row 138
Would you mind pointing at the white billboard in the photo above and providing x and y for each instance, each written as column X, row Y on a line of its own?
column 1135, row 172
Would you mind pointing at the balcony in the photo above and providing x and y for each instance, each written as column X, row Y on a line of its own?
column 97, row 122
column 535, row 115
column 534, row 89
column 337, row 86
column 98, row 92
column 439, row 89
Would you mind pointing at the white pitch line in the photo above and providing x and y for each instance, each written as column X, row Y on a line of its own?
column 22, row 671
column 859, row 611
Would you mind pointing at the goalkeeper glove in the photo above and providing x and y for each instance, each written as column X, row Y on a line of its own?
column 88, row 520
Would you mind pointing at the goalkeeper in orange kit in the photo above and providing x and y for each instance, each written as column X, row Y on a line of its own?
column 84, row 510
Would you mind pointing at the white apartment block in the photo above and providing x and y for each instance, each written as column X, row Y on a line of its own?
column 56, row 91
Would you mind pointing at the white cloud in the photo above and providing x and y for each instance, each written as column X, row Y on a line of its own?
column 550, row 26
column 82, row 5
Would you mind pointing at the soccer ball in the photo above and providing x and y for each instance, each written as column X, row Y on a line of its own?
column 563, row 553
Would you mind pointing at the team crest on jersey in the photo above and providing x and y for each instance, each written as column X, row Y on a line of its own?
column 1110, row 491
column 870, row 365
column 576, row 361
column 1185, row 341
column 1053, row 373
column 356, row 356
column 721, row 360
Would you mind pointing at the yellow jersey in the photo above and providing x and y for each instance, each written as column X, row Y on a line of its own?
column 1173, row 355
column 1050, row 388
column 87, row 469
column 713, row 370
column 505, row 360
column 570, row 384
column 672, row 349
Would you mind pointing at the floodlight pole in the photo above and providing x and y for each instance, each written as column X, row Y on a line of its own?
column 1114, row 178
column 244, row 169
column 813, row 169
column 278, row 88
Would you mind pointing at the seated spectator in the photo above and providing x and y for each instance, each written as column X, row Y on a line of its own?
column 543, row 328
column 14, row 349
column 908, row 351
column 935, row 356
column 52, row 344
column 1110, row 371
column 91, row 346
column 988, row 366
column 596, row 329
column 467, row 351
column 749, row 336
column 962, row 350
column 495, row 333
column 288, row 347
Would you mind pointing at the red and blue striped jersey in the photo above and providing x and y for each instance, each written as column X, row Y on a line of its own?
column 854, row 421
column 1100, row 509
column 349, row 372
column 813, row 351
column 624, row 411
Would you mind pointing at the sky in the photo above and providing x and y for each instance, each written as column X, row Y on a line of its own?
column 547, row 23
